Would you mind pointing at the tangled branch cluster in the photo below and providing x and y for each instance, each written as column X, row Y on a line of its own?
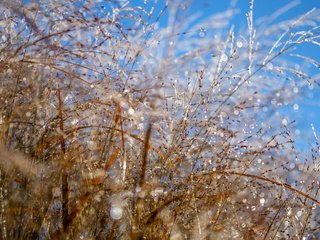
column 114, row 125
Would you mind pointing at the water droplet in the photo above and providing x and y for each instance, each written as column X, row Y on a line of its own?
column 171, row 43
column 269, row 66
column 74, row 121
column 289, row 212
column 157, row 192
column 285, row 121
column 131, row 111
column 138, row 189
column 68, row 98
column 202, row 32
column 116, row 212
column 295, row 90
column 224, row 58
column 239, row 44
column 295, row 107
column 262, row 201
column 299, row 214
column 292, row 165
column 115, row 11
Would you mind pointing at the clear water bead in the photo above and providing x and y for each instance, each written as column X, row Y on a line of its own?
column 284, row 121
column 239, row 44
column 116, row 212
column 202, row 32
column 131, row 111
column 269, row 66
column 224, row 58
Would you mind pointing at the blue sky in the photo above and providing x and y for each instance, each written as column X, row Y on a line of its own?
column 309, row 105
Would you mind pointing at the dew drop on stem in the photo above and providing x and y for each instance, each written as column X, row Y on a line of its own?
column 202, row 32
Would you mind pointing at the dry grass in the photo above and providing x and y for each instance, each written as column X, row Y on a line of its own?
column 113, row 127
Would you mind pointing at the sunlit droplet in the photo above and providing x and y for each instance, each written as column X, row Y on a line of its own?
column 224, row 58
column 285, row 121
column 269, row 66
column 299, row 214
column 116, row 212
column 289, row 212
column 239, row 44
column 202, row 32
column 131, row 111
column 74, row 121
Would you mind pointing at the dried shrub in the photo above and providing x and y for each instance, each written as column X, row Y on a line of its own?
column 114, row 126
